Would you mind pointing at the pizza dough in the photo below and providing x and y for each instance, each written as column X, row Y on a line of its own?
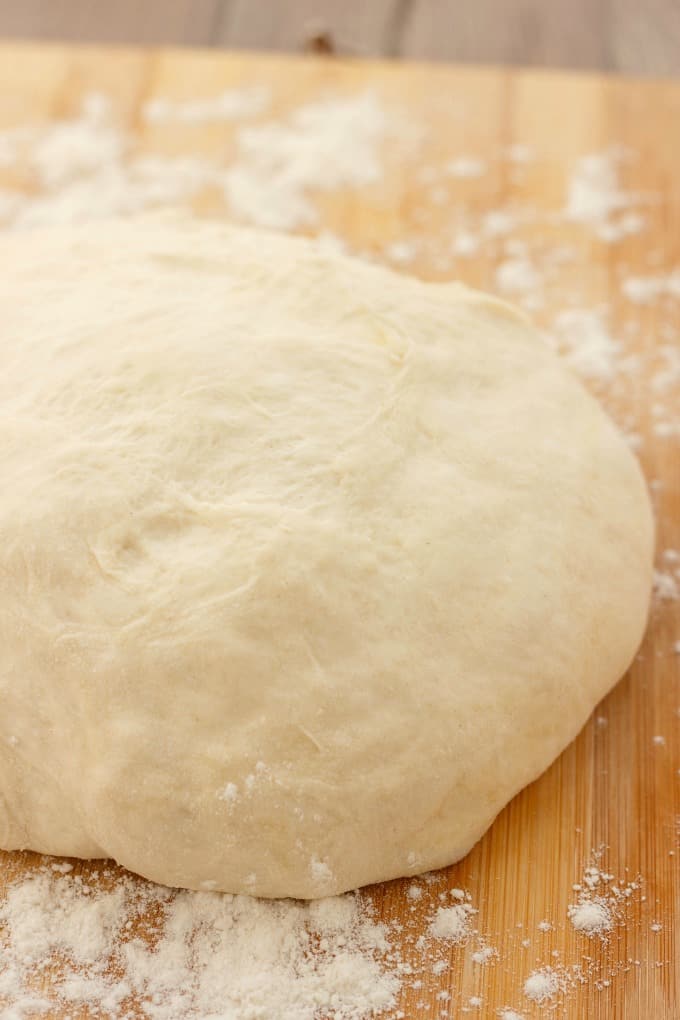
column 305, row 567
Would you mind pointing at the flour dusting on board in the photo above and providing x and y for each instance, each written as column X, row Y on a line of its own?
column 543, row 984
column 322, row 146
column 127, row 948
column 233, row 104
column 127, row 945
column 452, row 923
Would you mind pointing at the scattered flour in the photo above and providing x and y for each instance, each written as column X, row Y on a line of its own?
column 498, row 222
column 128, row 948
column 234, row 104
column 88, row 166
column 642, row 290
column 668, row 375
column 85, row 144
column 466, row 166
column 616, row 230
column 666, row 586
column 600, row 903
column 465, row 244
column 517, row 276
column 484, row 955
column 324, row 145
column 401, row 251
column 582, row 337
column 119, row 947
column 203, row 954
column 666, row 429
column 592, row 917
column 543, row 984
column 593, row 192
column 452, row 923
column 229, row 793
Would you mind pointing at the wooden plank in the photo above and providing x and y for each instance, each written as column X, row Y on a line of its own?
column 645, row 37
column 189, row 22
column 614, row 785
column 610, row 35
column 528, row 32
column 353, row 27
column 619, row 35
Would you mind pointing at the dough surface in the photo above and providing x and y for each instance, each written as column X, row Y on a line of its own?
column 306, row 568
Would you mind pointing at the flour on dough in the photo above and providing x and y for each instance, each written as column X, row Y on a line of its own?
column 305, row 567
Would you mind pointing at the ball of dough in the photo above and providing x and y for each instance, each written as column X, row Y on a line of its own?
column 305, row 567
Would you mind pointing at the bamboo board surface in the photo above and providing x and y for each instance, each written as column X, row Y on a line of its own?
column 615, row 788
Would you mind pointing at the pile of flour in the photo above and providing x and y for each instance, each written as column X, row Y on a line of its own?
column 124, row 945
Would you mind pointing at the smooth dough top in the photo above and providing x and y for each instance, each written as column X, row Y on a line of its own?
column 306, row 567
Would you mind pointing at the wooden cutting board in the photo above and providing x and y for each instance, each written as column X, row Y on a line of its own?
column 616, row 788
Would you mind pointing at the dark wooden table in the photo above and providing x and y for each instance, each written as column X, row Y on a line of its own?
column 631, row 36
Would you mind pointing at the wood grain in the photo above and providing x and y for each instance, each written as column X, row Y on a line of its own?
column 613, row 787
column 190, row 22
column 355, row 28
column 526, row 32
column 644, row 37
column 612, row 35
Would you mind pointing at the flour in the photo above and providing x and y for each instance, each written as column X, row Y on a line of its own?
column 668, row 375
column 121, row 947
column 203, row 954
column 499, row 222
column 484, row 955
column 593, row 192
column 88, row 166
column 666, row 586
column 592, row 917
column 233, row 104
column 601, row 902
column 466, row 166
column 401, row 252
column 71, row 148
column 643, row 290
column 666, row 429
column 452, row 923
column 465, row 244
column 229, row 793
column 581, row 336
column 322, row 146
column 543, row 984
column 517, row 275
column 616, row 230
